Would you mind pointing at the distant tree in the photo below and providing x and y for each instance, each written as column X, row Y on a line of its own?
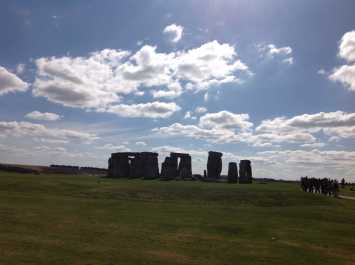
column 343, row 183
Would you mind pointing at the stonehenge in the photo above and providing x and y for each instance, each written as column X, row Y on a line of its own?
column 133, row 165
column 214, row 165
column 175, row 166
column 245, row 172
column 173, row 169
column 232, row 172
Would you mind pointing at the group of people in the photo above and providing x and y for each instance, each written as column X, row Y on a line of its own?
column 324, row 186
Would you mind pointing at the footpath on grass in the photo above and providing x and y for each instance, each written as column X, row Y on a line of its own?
column 346, row 197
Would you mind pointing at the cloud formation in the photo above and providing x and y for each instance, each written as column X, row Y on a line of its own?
column 145, row 110
column 33, row 130
column 287, row 163
column 345, row 74
column 272, row 51
column 347, row 46
column 227, row 127
column 102, row 80
column 43, row 116
column 174, row 32
column 9, row 82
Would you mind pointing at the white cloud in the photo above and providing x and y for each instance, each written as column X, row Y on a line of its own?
column 291, row 164
column 347, row 46
column 113, row 148
column 227, row 127
column 288, row 60
column 82, row 82
column 211, row 64
column 192, row 114
column 20, row 68
column 28, row 129
column 174, row 91
column 9, row 82
column 154, row 109
column 339, row 133
column 318, row 163
column 43, row 116
column 174, row 32
column 333, row 124
column 314, row 145
column 317, row 120
column 225, row 120
column 102, row 80
column 200, row 110
column 321, row 72
column 220, row 127
column 141, row 143
column 313, row 157
column 189, row 115
column 344, row 74
column 272, row 51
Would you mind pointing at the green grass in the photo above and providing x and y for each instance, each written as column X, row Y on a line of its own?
column 347, row 190
column 52, row 219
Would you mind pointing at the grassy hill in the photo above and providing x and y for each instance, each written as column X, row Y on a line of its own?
column 54, row 219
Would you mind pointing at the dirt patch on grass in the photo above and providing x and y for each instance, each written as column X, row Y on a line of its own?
column 171, row 256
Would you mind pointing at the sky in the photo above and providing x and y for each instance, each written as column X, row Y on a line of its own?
column 270, row 81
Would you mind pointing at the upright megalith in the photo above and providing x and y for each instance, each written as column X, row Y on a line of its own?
column 214, row 165
column 169, row 168
column 150, row 165
column 184, row 169
column 176, row 166
column 119, row 166
column 245, row 171
column 232, row 172
column 133, row 165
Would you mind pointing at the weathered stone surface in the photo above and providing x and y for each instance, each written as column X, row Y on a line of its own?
column 214, row 165
column 232, row 172
column 245, row 171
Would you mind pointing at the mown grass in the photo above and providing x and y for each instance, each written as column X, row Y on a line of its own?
column 52, row 219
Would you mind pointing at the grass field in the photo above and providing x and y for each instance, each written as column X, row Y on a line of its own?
column 52, row 219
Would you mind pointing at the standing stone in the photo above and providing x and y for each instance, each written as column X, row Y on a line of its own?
column 169, row 168
column 214, row 165
column 184, row 170
column 232, row 172
column 150, row 165
column 109, row 168
column 134, row 165
column 172, row 168
column 119, row 165
column 245, row 172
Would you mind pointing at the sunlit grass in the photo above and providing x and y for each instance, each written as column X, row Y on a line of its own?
column 52, row 219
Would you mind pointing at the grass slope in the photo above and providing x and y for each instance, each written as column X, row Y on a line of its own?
column 51, row 219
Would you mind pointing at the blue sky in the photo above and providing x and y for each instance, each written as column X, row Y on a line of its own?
column 272, row 81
